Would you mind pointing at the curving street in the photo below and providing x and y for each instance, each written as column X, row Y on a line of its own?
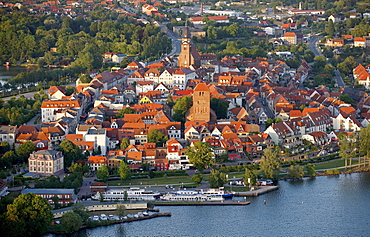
column 313, row 46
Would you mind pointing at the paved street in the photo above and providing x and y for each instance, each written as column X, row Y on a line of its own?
column 339, row 79
column 313, row 45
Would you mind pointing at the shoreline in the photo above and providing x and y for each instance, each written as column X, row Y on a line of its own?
column 114, row 222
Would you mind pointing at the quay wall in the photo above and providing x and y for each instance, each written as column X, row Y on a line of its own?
column 103, row 207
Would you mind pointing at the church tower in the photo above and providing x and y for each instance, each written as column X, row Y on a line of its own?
column 188, row 54
column 201, row 109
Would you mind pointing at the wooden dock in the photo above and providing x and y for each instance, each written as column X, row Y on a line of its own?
column 257, row 192
column 227, row 203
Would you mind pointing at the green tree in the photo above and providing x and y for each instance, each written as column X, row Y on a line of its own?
column 125, row 61
column 310, row 169
column 296, row 171
column 197, row 178
column 55, row 199
column 346, row 99
column 270, row 121
column 124, row 144
column 170, row 101
column 270, row 163
column 79, row 168
column 7, row 159
column 70, row 222
column 182, row 105
column 217, row 179
column 201, row 155
column 70, row 90
column 124, row 170
column 4, row 147
column 364, row 147
column 29, row 215
column 121, row 209
column 125, row 110
column 48, row 57
column 25, row 149
column 103, row 173
column 344, row 148
column 81, row 211
column 70, row 151
column 329, row 30
column 250, row 177
column 84, row 78
column 220, row 107
column 157, row 137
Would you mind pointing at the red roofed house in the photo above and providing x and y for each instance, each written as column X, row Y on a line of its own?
column 359, row 42
column 291, row 37
column 334, row 42
column 362, row 75
column 95, row 162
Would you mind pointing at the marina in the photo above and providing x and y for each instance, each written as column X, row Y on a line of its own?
column 340, row 202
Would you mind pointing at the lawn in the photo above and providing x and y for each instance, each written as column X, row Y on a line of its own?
column 155, row 181
column 333, row 164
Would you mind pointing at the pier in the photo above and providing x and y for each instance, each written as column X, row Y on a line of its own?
column 257, row 192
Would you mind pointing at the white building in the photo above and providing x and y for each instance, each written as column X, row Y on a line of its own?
column 46, row 162
column 99, row 137
column 144, row 87
column 50, row 109
column 7, row 134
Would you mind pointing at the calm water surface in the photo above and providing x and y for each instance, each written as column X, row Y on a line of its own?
column 9, row 72
column 323, row 206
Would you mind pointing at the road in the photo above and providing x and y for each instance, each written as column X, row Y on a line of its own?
column 339, row 79
column 176, row 46
column 29, row 95
column 313, row 46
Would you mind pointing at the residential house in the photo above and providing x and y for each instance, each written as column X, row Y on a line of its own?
column 50, row 109
column 95, row 162
column 334, row 42
column 318, row 138
column 46, row 162
column 8, row 134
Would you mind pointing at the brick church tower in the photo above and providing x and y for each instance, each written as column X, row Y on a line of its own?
column 201, row 109
column 188, row 55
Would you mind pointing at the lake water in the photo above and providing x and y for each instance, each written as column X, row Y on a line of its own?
column 322, row 206
column 8, row 72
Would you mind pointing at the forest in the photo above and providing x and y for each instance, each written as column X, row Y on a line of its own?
column 79, row 42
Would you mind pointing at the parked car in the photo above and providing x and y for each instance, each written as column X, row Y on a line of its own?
column 103, row 217
column 95, row 218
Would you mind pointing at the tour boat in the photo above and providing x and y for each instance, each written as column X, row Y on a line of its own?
column 217, row 192
column 191, row 196
column 132, row 194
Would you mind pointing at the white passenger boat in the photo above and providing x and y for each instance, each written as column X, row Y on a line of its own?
column 191, row 196
column 217, row 192
column 132, row 194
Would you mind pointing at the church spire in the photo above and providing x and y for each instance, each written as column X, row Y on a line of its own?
column 186, row 32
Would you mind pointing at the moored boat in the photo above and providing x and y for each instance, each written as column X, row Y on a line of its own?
column 191, row 196
column 131, row 194
column 218, row 192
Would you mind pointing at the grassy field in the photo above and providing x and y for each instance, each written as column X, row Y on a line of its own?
column 154, row 181
column 333, row 164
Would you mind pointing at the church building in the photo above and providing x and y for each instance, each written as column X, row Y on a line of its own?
column 189, row 55
column 201, row 109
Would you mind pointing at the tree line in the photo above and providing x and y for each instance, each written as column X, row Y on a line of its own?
column 27, row 37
